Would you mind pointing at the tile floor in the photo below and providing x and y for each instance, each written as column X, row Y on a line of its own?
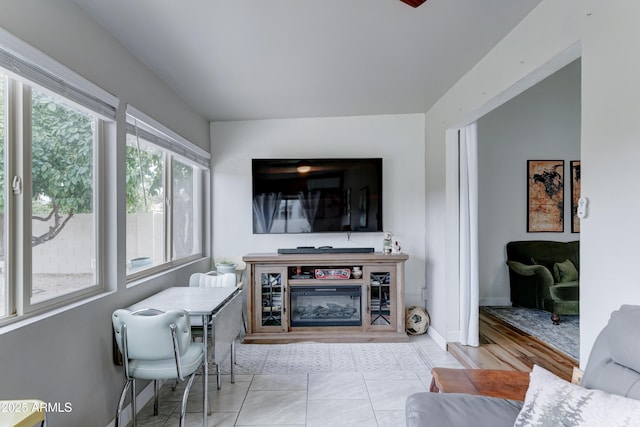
column 356, row 399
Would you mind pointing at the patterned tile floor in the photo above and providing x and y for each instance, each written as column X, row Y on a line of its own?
column 354, row 399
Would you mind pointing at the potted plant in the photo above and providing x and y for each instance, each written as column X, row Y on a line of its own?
column 225, row 266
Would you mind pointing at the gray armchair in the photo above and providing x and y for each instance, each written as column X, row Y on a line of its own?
column 613, row 367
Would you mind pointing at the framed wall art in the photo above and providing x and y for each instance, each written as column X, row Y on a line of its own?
column 575, row 195
column 545, row 196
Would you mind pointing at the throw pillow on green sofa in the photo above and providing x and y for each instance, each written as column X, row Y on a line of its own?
column 565, row 271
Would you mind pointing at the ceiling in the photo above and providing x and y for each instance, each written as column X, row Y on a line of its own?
column 263, row 59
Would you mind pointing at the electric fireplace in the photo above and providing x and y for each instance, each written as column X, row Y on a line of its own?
column 325, row 306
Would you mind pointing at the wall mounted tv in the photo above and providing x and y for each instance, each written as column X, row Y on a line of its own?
column 317, row 195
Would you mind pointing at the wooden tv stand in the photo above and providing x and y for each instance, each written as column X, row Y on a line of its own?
column 286, row 302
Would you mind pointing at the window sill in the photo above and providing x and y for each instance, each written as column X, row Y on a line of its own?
column 16, row 322
column 147, row 275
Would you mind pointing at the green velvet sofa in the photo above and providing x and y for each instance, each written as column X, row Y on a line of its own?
column 545, row 274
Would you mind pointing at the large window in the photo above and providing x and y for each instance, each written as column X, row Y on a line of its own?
column 165, row 202
column 59, row 165
column 4, row 294
column 63, row 220
column 49, row 218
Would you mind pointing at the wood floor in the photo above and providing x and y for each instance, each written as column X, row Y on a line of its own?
column 504, row 347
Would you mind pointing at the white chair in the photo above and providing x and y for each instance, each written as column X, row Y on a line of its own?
column 215, row 279
column 156, row 346
column 212, row 279
column 241, row 267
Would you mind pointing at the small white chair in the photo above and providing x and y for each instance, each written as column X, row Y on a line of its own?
column 156, row 346
column 241, row 267
column 214, row 279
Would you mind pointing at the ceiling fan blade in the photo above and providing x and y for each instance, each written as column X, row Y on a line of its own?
column 414, row 3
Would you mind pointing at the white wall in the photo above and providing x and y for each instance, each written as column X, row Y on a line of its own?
column 610, row 151
column 398, row 139
column 605, row 34
column 66, row 357
column 543, row 122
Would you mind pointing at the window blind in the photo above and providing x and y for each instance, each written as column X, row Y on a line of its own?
column 27, row 62
column 154, row 132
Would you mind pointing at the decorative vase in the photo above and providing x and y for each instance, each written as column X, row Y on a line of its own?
column 356, row 273
column 226, row 268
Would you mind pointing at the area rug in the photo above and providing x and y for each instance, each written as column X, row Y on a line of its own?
column 564, row 337
column 328, row 357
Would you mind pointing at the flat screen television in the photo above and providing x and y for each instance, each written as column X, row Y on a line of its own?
column 317, row 195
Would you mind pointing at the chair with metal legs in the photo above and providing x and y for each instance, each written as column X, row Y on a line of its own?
column 156, row 346
column 215, row 278
column 209, row 280
column 239, row 269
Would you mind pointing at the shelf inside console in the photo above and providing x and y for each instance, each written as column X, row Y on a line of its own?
column 324, row 272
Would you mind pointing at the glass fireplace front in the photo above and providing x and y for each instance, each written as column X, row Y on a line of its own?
column 325, row 306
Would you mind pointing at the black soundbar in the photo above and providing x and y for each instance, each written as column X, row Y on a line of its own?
column 325, row 250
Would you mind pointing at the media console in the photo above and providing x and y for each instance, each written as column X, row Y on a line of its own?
column 330, row 297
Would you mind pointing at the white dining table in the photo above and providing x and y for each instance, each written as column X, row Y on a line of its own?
column 196, row 301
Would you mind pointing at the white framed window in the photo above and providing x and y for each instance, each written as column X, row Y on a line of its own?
column 50, row 200
column 6, row 295
column 64, row 219
column 166, row 186
column 51, row 137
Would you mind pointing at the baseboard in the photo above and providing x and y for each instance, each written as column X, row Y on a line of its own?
column 439, row 339
column 142, row 399
column 495, row 302
column 453, row 335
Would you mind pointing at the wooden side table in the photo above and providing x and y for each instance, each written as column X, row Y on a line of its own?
column 486, row 382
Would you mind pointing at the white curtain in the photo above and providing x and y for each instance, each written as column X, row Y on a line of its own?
column 309, row 203
column 469, row 286
column 265, row 208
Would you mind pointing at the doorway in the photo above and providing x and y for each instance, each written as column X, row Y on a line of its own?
column 541, row 123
